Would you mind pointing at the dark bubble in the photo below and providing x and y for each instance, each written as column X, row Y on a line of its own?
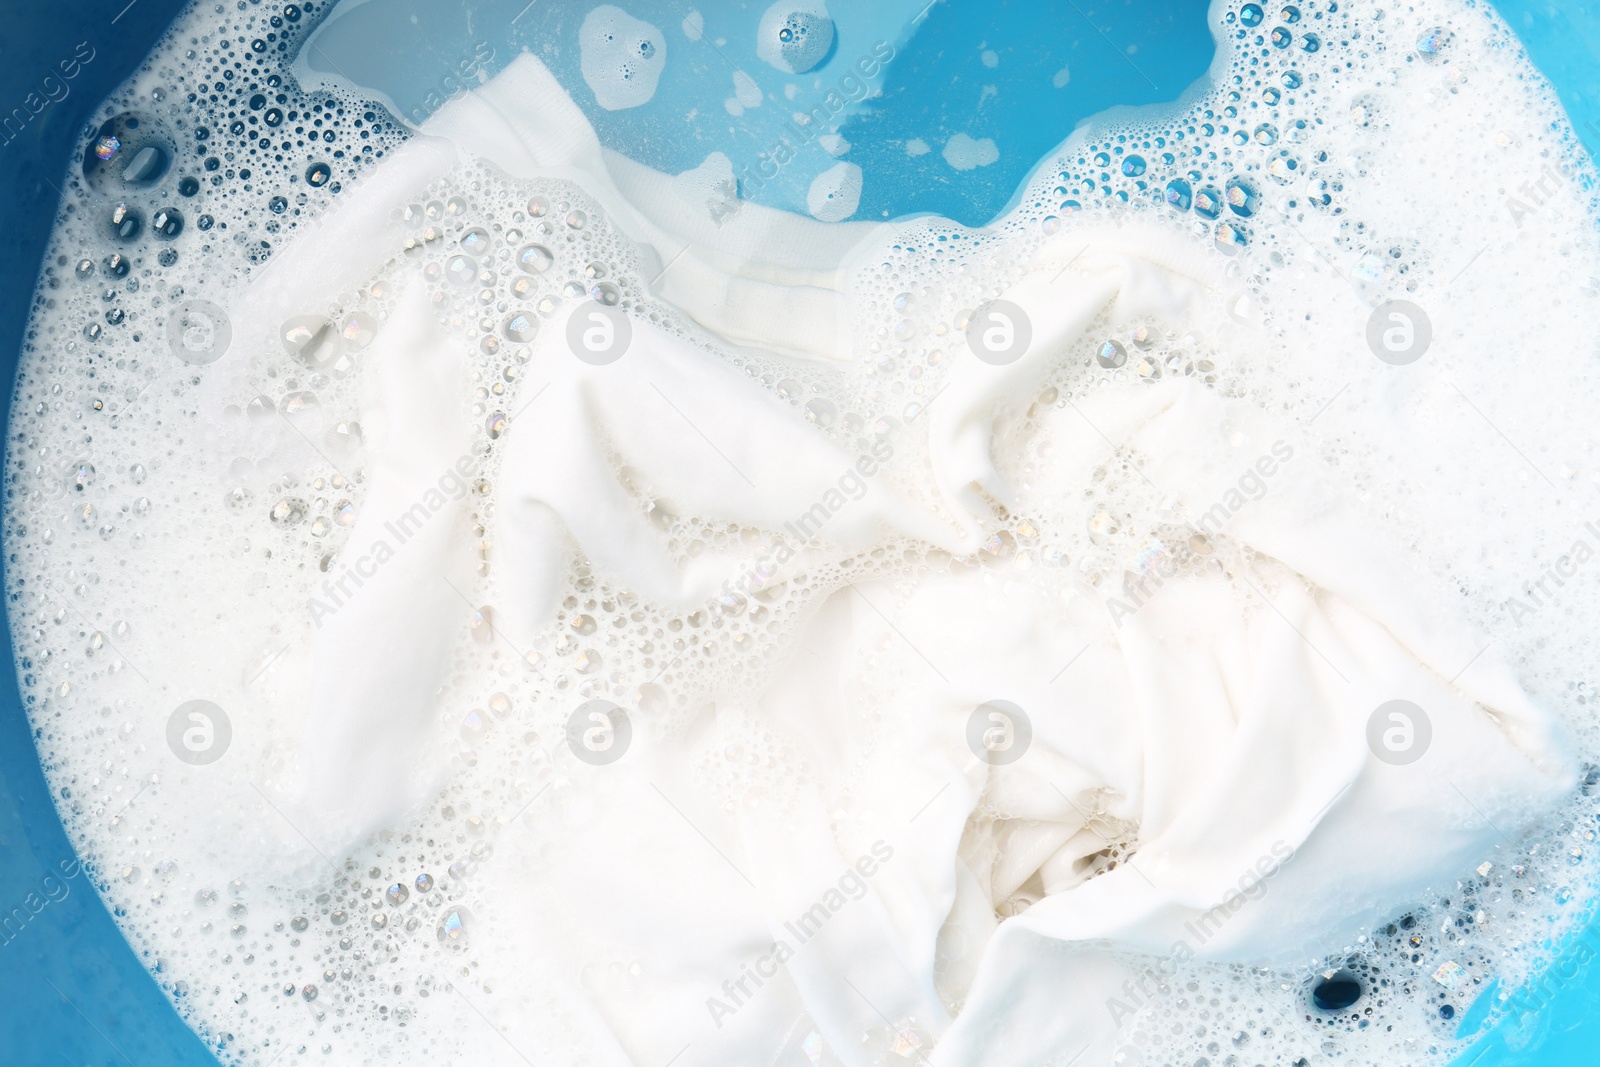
column 1336, row 991
column 127, row 151
column 317, row 174
column 278, row 205
column 258, row 101
column 292, row 13
column 168, row 222
column 84, row 268
column 126, row 222
column 188, row 186
column 273, row 117
column 204, row 222
column 115, row 265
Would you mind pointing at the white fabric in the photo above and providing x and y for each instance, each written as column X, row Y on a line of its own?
column 1221, row 730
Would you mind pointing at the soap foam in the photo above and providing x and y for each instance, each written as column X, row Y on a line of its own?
column 169, row 523
column 622, row 57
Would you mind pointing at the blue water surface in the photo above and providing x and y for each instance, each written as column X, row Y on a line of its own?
column 1020, row 73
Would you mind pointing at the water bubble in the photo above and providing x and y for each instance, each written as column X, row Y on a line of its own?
column 820, row 411
column 168, row 222
column 317, row 175
column 1242, row 197
column 396, row 894
column 1281, row 37
column 298, row 403
column 1133, row 166
column 129, row 151
column 475, row 241
column 461, row 270
column 1336, row 990
column 126, row 222
column 358, row 329
column 1111, row 355
column 1431, row 42
column 1230, row 237
column 1282, row 168
column 288, row 511
column 1251, row 15
column 1179, row 194
column 535, row 259
column 310, row 339
column 454, row 927
column 80, row 476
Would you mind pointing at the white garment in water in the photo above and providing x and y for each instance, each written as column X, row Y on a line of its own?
column 1199, row 782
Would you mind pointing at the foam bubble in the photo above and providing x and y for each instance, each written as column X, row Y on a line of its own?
column 793, row 37
column 621, row 57
column 964, row 152
column 835, row 193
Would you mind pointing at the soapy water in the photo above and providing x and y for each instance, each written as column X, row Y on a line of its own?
column 200, row 497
